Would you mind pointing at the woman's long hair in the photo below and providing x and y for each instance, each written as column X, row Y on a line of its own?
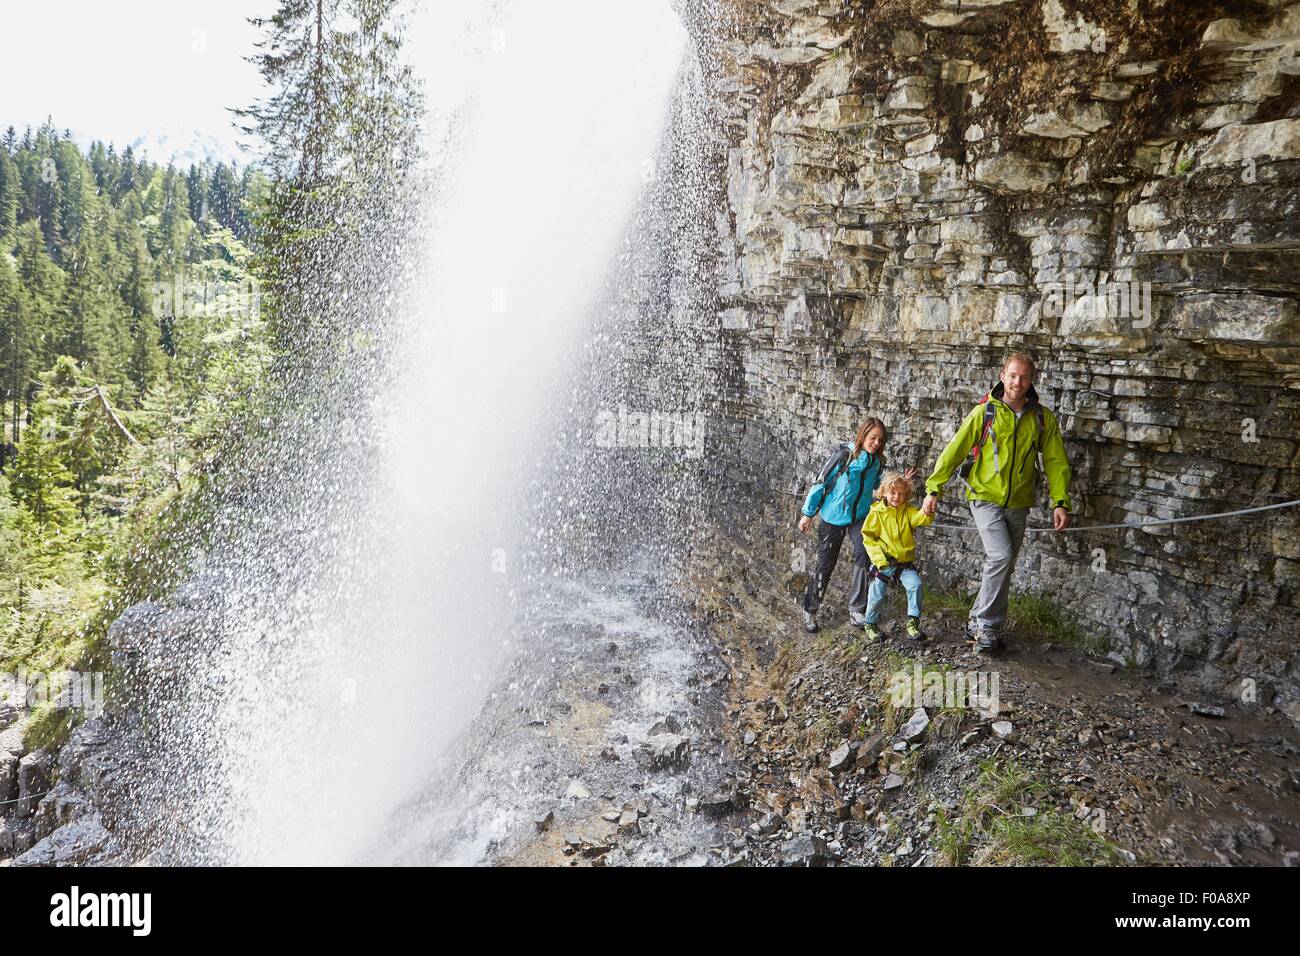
column 861, row 441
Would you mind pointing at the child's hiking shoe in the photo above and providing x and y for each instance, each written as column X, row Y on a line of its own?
column 857, row 620
column 914, row 629
column 810, row 622
column 873, row 632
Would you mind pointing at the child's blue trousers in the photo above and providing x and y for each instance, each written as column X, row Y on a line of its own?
column 911, row 582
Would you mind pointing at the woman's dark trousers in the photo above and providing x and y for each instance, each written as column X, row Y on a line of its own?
column 829, row 539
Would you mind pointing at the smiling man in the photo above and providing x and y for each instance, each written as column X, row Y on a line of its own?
column 997, row 453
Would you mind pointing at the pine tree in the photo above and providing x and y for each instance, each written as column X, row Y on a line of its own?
column 95, row 330
column 299, row 122
column 383, row 102
column 341, row 127
column 78, row 200
column 136, row 285
column 223, row 193
column 9, row 190
column 48, row 187
column 147, row 360
column 174, row 223
column 196, row 189
column 126, row 181
column 40, row 480
column 15, row 337
column 43, row 283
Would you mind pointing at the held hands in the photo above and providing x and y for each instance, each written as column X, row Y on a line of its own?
column 805, row 524
column 930, row 504
column 1060, row 519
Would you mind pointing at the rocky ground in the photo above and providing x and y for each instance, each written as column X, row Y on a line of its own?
column 639, row 729
column 1080, row 762
column 638, row 739
column 59, row 809
column 601, row 745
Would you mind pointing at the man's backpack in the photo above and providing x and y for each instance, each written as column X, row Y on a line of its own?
column 986, row 429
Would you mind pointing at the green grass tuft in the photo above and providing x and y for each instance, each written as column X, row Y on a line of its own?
column 991, row 828
column 1031, row 616
column 1036, row 617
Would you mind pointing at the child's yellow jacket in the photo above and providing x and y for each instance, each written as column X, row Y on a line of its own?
column 887, row 532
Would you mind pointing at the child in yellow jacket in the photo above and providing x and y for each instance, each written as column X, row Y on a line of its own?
column 887, row 536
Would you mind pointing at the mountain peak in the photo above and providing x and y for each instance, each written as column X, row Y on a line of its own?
column 183, row 147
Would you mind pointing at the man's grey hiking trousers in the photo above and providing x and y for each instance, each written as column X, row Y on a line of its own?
column 1001, row 532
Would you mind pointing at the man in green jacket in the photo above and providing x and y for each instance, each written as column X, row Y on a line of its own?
column 1002, row 439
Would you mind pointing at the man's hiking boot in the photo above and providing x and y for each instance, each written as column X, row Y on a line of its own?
column 857, row 620
column 873, row 632
column 983, row 638
column 810, row 622
column 914, row 629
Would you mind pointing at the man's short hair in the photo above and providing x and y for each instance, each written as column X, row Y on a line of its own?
column 1023, row 357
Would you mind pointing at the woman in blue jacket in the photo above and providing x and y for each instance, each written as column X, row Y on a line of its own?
column 842, row 495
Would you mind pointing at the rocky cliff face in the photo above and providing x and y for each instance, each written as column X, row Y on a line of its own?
column 914, row 187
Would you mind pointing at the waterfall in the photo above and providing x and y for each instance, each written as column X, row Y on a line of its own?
column 350, row 622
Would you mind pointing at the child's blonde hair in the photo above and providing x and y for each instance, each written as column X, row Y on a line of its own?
column 894, row 478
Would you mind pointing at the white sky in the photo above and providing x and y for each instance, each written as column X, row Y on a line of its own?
column 119, row 69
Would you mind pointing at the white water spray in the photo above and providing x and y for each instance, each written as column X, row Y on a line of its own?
column 346, row 698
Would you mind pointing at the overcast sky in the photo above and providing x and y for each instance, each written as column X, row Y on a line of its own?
column 119, row 69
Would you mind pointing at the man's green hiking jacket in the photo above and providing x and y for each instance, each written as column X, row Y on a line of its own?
column 1006, row 469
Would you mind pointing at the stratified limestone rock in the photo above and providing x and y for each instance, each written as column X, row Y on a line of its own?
column 34, row 772
column 1114, row 187
column 1235, row 145
column 81, row 842
column 1072, row 119
column 8, row 777
column 1015, row 173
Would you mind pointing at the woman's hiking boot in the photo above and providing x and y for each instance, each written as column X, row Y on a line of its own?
column 810, row 622
column 873, row 632
column 914, row 629
column 857, row 620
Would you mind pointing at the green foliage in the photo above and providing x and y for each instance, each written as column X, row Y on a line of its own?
column 949, row 603
column 48, row 726
column 341, row 130
column 1037, row 616
column 1031, row 616
column 41, row 479
column 86, row 237
column 135, row 345
column 110, row 403
column 1005, row 820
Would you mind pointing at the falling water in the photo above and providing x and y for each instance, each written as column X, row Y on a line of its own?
column 355, row 610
